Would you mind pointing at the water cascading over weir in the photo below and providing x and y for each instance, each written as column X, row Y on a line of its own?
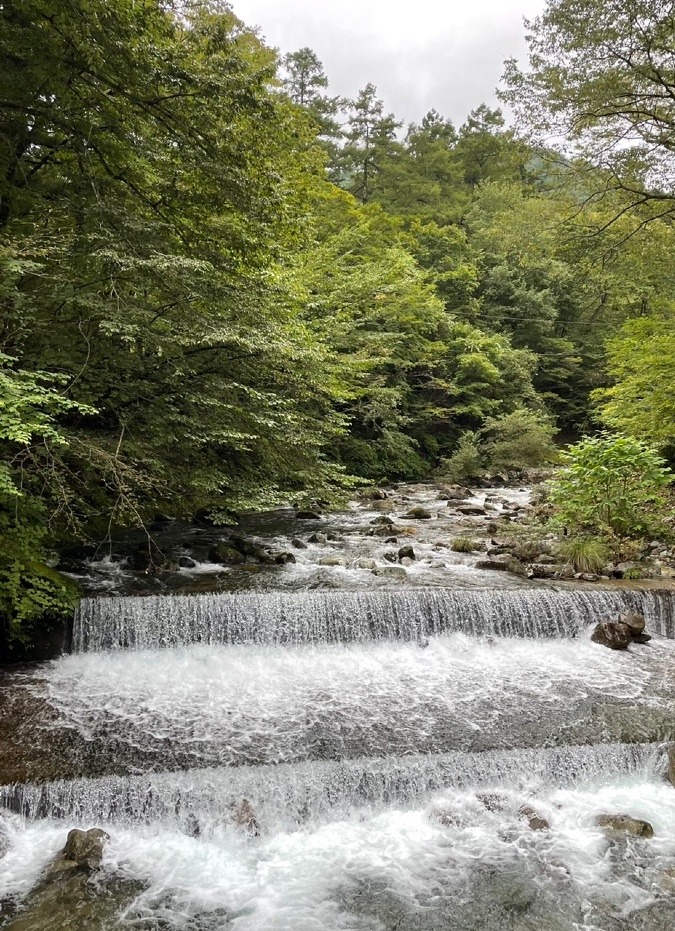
column 354, row 760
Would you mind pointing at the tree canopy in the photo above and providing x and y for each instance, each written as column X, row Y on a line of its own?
column 223, row 287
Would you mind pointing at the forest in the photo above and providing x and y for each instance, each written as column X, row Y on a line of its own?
column 224, row 288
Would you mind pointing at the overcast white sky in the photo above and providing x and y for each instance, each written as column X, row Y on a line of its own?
column 419, row 54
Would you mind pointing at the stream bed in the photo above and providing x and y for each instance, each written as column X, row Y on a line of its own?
column 314, row 747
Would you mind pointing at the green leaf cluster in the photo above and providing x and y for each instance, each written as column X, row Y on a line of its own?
column 612, row 486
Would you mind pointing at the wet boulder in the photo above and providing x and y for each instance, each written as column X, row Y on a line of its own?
column 83, row 850
column 538, row 570
column 634, row 621
column 185, row 562
column 406, row 552
column 384, row 505
column 384, row 520
column 318, row 538
column 535, row 821
column 85, row 847
column 471, row 510
column 454, row 493
column 385, row 530
column 282, row 559
column 373, row 494
column 226, row 555
column 299, row 544
column 642, row 638
column 307, row 515
column 625, row 824
column 391, row 572
column 616, row 636
column 331, row 561
column 365, row 564
column 496, row 563
column 250, row 549
column 418, row 513
column 66, row 898
column 667, row 880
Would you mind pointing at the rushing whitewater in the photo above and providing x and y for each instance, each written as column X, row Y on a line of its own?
column 338, row 617
column 248, row 704
column 347, row 761
column 450, row 863
column 283, row 796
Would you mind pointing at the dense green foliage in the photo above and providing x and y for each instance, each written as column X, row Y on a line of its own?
column 223, row 287
column 611, row 485
column 642, row 364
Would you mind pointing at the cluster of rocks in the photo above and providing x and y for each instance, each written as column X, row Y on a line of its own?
column 618, row 635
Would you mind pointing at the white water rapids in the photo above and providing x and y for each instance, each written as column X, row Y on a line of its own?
column 248, row 704
column 384, row 745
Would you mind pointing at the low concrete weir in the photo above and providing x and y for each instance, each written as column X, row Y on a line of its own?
column 151, row 622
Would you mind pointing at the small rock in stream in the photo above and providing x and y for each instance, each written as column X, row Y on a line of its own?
column 471, row 510
column 393, row 572
column 536, row 822
column 299, row 544
column 625, row 824
column 185, row 562
column 307, row 515
column 406, row 552
column 418, row 514
column 331, row 561
column 496, row 563
column 318, row 538
column 366, row 564
column 283, row 558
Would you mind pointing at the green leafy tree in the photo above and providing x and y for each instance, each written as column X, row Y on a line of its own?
column 369, row 142
column 641, row 362
column 305, row 81
column 486, row 151
column 30, row 402
column 517, row 440
column 154, row 192
column 601, row 80
column 424, row 179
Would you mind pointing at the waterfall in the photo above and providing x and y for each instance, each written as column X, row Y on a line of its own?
column 312, row 617
column 283, row 796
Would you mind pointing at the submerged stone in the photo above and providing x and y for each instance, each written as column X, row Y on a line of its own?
column 535, row 821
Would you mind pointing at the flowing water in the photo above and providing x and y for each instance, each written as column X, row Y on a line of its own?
column 366, row 761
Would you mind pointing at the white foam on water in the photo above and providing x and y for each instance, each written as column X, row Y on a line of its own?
column 268, row 704
column 424, row 858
